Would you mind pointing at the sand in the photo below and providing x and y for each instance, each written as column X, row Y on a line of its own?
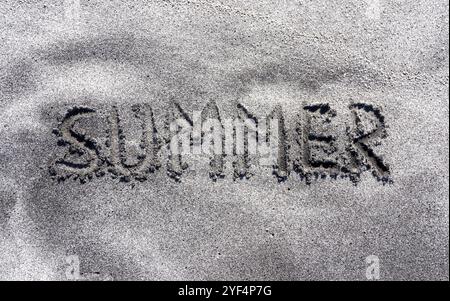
column 201, row 222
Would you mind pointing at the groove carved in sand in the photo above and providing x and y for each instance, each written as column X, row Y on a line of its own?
column 312, row 149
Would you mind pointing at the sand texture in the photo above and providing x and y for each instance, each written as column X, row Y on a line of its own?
column 359, row 89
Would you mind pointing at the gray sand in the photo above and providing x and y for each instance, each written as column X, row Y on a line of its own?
column 261, row 54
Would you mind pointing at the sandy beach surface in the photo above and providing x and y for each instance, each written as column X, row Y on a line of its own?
column 77, row 75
